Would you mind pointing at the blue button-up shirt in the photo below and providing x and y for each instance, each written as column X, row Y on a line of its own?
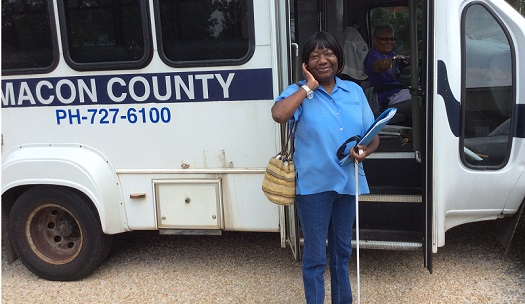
column 324, row 123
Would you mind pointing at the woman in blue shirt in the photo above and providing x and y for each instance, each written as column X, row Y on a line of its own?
column 328, row 111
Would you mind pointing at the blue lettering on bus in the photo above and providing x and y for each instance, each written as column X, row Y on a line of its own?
column 112, row 115
column 230, row 85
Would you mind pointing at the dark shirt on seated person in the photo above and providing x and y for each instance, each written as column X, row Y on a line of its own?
column 378, row 79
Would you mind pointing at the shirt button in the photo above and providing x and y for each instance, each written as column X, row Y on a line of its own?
column 341, row 129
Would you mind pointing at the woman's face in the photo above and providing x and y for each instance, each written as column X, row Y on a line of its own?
column 384, row 42
column 323, row 64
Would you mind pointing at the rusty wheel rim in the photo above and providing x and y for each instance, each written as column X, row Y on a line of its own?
column 54, row 234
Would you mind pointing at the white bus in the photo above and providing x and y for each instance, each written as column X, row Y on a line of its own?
column 132, row 115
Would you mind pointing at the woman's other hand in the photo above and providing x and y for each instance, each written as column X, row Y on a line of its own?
column 364, row 151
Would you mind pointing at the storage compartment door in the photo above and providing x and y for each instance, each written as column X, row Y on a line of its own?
column 188, row 204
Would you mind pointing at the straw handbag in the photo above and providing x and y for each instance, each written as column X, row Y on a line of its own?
column 279, row 179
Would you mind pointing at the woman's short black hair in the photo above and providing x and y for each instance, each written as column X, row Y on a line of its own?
column 324, row 40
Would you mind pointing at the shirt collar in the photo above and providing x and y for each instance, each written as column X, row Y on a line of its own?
column 339, row 83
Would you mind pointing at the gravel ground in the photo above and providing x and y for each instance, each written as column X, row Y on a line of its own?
column 252, row 268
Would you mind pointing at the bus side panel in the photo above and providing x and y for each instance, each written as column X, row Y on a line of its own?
column 244, row 207
column 215, row 120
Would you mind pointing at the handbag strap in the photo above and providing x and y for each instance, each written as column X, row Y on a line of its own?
column 288, row 136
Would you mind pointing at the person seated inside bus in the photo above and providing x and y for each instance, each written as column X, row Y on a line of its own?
column 378, row 66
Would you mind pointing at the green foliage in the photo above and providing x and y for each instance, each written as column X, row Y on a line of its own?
column 398, row 17
column 519, row 5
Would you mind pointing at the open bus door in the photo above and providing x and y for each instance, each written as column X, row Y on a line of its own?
column 476, row 110
column 480, row 105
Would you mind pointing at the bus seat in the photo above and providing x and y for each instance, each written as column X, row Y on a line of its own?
column 355, row 50
column 371, row 96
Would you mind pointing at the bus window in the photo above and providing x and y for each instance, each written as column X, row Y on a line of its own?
column 201, row 32
column 28, row 38
column 488, row 90
column 105, row 34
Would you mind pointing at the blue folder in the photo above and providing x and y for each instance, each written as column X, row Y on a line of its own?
column 374, row 129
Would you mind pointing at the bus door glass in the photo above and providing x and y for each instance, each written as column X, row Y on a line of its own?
column 488, row 91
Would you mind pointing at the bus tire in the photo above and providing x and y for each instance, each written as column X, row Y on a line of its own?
column 57, row 234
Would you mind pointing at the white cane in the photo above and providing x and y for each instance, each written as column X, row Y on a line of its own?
column 379, row 123
column 357, row 227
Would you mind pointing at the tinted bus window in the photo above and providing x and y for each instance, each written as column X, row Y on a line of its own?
column 398, row 17
column 488, row 96
column 27, row 36
column 203, row 30
column 105, row 31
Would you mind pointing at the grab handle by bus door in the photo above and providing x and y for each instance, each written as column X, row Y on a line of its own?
column 296, row 63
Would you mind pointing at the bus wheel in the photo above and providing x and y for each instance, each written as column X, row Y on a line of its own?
column 57, row 234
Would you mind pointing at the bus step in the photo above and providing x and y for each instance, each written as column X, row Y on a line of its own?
column 382, row 245
column 190, row 232
column 387, row 245
column 391, row 198
column 393, row 155
column 392, row 172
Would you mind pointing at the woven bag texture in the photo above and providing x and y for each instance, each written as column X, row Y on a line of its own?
column 279, row 181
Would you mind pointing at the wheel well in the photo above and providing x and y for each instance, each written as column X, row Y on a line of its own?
column 504, row 229
column 8, row 200
column 10, row 196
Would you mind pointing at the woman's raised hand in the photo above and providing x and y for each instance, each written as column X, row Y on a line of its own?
column 311, row 82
